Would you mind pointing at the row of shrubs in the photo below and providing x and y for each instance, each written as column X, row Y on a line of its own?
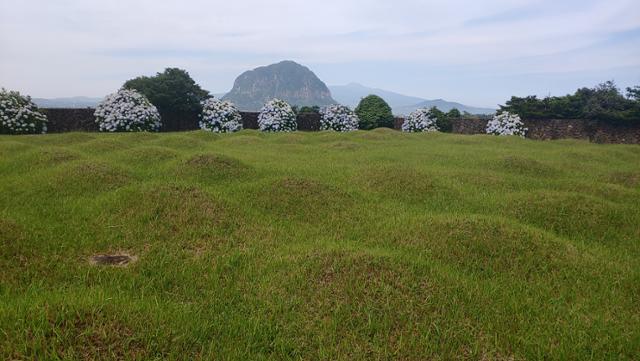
column 129, row 111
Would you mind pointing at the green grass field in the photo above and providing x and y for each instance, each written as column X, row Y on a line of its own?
column 318, row 246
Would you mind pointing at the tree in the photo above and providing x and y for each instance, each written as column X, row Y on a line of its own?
column 306, row 109
column 454, row 114
column 634, row 93
column 444, row 119
column 175, row 94
column 604, row 102
column 374, row 112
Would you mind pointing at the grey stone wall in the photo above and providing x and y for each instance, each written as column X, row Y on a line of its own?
column 68, row 120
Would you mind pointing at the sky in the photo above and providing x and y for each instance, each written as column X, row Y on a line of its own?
column 475, row 52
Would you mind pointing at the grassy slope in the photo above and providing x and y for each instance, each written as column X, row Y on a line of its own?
column 374, row 245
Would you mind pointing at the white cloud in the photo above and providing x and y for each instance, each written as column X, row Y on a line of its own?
column 68, row 47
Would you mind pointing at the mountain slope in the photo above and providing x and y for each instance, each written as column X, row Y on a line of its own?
column 443, row 105
column 351, row 94
column 286, row 80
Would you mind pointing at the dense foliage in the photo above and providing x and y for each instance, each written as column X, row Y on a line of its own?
column 374, row 112
column 443, row 120
column 220, row 116
column 506, row 124
column 127, row 111
column 339, row 118
column 421, row 120
column 175, row 94
column 277, row 116
column 305, row 109
column 18, row 114
column 605, row 102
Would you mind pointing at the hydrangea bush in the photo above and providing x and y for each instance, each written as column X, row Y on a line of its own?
column 339, row 118
column 421, row 120
column 277, row 116
column 18, row 114
column 220, row 116
column 127, row 111
column 506, row 124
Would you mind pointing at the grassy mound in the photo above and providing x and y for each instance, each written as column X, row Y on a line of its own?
column 307, row 246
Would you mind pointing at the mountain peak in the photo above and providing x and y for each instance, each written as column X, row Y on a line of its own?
column 286, row 80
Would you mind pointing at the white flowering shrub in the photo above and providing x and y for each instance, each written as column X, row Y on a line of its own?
column 220, row 116
column 277, row 116
column 18, row 114
column 421, row 120
column 506, row 124
column 127, row 111
column 339, row 118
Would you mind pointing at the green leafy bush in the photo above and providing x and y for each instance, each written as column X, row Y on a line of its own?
column 306, row 109
column 374, row 112
column 175, row 94
column 605, row 102
column 18, row 114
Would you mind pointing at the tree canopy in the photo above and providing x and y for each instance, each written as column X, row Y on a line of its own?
column 604, row 102
column 374, row 112
column 175, row 94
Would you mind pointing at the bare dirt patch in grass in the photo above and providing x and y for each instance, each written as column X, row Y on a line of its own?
column 120, row 260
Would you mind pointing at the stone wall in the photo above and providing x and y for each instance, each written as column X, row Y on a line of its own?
column 549, row 129
column 67, row 120
column 70, row 120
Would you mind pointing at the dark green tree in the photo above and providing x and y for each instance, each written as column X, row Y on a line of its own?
column 454, row 114
column 175, row 94
column 634, row 93
column 374, row 112
column 604, row 102
column 443, row 120
column 306, row 109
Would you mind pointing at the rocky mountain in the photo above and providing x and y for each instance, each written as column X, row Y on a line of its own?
column 72, row 102
column 351, row 94
column 287, row 80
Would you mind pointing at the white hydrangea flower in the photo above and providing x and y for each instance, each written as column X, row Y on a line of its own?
column 506, row 124
column 220, row 116
column 277, row 116
column 19, row 115
column 339, row 118
column 127, row 111
column 421, row 120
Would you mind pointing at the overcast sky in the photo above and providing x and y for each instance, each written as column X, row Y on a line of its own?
column 476, row 52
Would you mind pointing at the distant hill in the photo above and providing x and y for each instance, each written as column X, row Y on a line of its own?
column 443, row 105
column 71, row 102
column 351, row 94
column 286, row 80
